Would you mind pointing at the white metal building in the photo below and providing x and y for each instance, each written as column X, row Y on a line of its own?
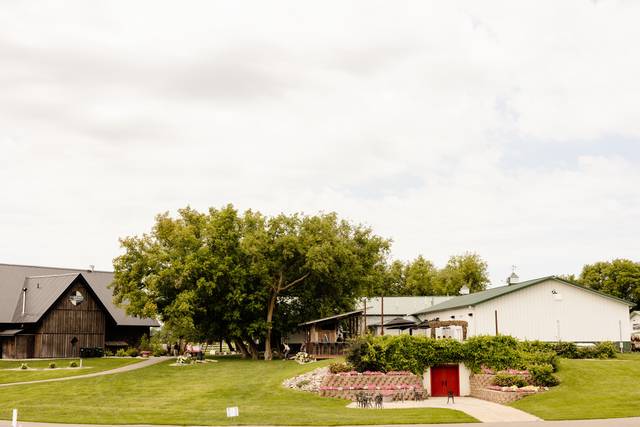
column 546, row 309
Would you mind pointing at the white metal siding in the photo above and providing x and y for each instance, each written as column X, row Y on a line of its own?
column 533, row 314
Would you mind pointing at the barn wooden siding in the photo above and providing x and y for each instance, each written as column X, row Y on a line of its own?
column 65, row 321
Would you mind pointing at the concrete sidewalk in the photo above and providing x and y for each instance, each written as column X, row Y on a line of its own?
column 482, row 410
column 143, row 364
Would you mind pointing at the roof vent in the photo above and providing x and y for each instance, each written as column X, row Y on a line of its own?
column 91, row 268
column 513, row 279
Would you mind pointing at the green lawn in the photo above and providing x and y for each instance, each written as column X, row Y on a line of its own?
column 198, row 395
column 590, row 389
column 8, row 375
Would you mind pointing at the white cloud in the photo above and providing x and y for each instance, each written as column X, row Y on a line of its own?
column 492, row 126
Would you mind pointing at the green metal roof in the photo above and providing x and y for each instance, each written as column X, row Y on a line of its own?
column 483, row 296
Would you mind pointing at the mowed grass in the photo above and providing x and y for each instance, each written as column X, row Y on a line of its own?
column 198, row 395
column 590, row 389
column 42, row 372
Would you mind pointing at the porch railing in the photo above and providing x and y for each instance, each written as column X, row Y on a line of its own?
column 327, row 348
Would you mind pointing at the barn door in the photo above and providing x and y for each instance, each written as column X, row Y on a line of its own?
column 445, row 379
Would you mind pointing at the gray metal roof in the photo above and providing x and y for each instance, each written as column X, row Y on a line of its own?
column 401, row 306
column 489, row 294
column 45, row 285
column 335, row 317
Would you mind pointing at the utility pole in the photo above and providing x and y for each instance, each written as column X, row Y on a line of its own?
column 382, row 315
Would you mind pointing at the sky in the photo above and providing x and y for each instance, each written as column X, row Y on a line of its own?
column 509, row 129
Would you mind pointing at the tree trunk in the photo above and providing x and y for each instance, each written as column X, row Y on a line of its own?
column 253, row 349
column 231, row 348
column 243, row 349
column 267, row 341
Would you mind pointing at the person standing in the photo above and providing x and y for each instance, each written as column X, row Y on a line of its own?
column 287, row 349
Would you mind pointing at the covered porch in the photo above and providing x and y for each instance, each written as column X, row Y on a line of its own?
column 328, row 337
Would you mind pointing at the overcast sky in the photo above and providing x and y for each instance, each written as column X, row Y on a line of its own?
column 510, row 129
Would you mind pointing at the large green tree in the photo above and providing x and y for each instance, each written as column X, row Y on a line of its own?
column 620, row 278
column 222, row 275
column 191, row 273
column 319, row 261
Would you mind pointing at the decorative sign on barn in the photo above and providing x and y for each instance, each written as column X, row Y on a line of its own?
column 76, row 298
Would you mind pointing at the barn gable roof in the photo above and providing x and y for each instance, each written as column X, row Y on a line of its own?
column 483, row 296
column 46, row 284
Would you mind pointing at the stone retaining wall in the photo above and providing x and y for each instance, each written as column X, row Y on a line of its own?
column 392, row 387
column 479, row 382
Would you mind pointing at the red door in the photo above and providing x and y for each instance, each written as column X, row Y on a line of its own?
column 445, row 378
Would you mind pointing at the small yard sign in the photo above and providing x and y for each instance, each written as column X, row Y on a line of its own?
column 233, row 411
column 14, row 419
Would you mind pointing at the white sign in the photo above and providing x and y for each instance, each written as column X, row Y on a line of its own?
column 233, row 411
column 14, row 420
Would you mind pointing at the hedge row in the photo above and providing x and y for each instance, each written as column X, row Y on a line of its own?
column 415, row 354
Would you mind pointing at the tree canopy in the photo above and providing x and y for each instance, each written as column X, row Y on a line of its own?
column 620, row 278
column 421, row 277
column 225, row 275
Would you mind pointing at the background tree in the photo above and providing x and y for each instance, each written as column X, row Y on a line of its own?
column 468, row 269
column 620, row 278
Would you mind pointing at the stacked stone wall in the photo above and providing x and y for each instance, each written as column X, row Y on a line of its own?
column 399, row 386
column 479, row 384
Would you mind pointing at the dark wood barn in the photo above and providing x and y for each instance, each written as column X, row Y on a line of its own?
column 52, row 313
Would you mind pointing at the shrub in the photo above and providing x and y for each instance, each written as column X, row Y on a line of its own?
column 535, row 346
column 542, row 375
column 133, row 352
column 157, row 352
column 52, row 365
column 73, row 364
column 24, row 366
column 508, row 380
column 108, row 353
column 497, row 352
column 145, row 344
column 568, row 350
column 606, row 350
column 121, row 352
column 538, row 358
column 338, row 367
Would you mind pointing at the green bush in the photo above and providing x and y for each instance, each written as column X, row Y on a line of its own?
column 508, row 380
column 338, row 367
column 538, row 358
column 535, row 346
column 24, row 366
column 52, row 365
column 606, row 350
column 542, row 375
column 108, row 353
column 121, row 352
column 145, row 344
column 496, row 352
column 133, row 352
column 73, row 364
column 157, row 352
column 568, row 350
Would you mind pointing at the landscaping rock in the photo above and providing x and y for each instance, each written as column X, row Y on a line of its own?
column 310, row 381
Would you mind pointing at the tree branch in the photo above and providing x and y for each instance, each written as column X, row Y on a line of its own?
column 295, row 282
